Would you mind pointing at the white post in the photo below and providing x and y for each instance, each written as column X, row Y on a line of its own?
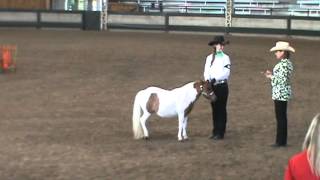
column 228, row 14
column 104, row 15
column 66, row 5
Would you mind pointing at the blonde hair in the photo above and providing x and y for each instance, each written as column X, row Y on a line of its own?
column 312, row 145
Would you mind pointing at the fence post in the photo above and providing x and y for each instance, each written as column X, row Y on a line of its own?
column 166, row 22
column 38, row 19
column 289, row 25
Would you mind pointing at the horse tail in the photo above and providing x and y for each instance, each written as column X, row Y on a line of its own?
column 136, row 126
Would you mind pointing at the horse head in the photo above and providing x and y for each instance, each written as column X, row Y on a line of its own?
column 204, row 88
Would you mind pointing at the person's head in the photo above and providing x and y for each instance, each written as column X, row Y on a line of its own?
column 312, row 144
column 282, row 54
column 282, row 50
column 218, row 43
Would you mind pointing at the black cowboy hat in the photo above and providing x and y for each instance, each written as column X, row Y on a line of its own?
column 218, row 40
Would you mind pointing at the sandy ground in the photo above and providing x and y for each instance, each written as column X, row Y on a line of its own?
column 66, row 112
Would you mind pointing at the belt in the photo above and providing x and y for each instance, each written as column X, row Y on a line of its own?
column 220, row 82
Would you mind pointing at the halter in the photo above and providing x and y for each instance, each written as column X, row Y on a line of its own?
column 206, row 94
column 202, row 92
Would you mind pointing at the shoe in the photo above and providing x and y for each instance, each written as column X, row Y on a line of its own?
column 216, row 137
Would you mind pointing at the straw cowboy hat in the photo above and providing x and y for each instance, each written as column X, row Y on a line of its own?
column 282, row 46
column 218, row 40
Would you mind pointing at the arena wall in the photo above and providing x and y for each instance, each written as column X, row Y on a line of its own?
column 61, row 17
column 259, row 23
column 86, row 20
column 216, row 23
column 18, row 17
column 90, row 20
column 141, row 19
column 196, row 21
column 303, row 24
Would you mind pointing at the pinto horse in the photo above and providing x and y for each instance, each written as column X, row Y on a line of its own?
column 168, row 103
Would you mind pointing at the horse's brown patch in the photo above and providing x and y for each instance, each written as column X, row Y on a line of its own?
column 197, row 85
column 153, row 103
column 188, row 109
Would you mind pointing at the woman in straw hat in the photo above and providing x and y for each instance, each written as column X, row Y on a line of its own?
column 281, row 88
column 217, row 71
column 306, row 164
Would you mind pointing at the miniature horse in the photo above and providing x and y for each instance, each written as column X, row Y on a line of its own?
column 168, row 103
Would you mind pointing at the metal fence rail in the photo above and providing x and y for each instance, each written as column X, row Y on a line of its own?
column 240, row 7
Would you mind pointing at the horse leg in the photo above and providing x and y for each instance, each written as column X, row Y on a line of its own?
column 143, row 120
column 184, row 133
column 181, row 119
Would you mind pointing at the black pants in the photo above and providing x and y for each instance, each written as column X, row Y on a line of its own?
column 281, row 117
column 219, row 109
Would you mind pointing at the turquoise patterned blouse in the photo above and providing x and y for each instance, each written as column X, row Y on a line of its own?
column 280, row 80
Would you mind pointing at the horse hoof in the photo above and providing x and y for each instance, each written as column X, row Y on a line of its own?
column 146, row 138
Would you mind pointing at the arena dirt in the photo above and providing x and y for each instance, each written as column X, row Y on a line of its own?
column 66, row 112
